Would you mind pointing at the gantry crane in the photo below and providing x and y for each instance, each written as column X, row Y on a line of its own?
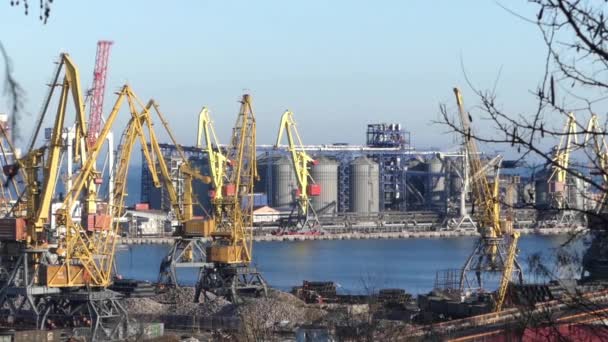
column 599, row 156
column 98, row 91
column 65, row 273
column 301, row 161
column 496, row 250
column 231, row 274
column 217, row 159
column 188, row 249
column 595, row 258
column 561, row 161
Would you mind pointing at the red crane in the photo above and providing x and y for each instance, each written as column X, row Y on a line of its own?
column 99, row 87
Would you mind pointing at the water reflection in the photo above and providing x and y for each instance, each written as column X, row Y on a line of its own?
column 356, row 265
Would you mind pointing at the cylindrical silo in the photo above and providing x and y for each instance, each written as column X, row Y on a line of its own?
column 437, row 174
column 264, row 164
column 576, row 193
column 541, row 192
column 325, row 173
column 364, row 186
column 284, row 184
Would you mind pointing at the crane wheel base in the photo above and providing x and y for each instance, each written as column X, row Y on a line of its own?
column 233, row 282
column 97, row 315
column 184, row 253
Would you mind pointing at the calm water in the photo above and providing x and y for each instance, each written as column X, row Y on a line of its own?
column 353, row 264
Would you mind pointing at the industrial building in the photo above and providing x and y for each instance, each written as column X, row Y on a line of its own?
column 386, row 175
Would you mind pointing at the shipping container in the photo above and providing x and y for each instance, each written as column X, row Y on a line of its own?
column 314, row 190
column 12, row 228
column 98, row 222
column 199, row 227
column 229, row 190
column 142, row 206
column 259, row 200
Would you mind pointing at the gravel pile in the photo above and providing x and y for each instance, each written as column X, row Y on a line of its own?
column 180, row 295
column 178, row 301
column 279, row 308
column 143, row 306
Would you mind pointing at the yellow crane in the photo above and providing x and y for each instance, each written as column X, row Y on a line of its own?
column 188, row 249
column 231, row 274
column 217, row 160
column 561, row 161
column 64, row 275
column 496, row 250
column 301, row 161
column 599, row 155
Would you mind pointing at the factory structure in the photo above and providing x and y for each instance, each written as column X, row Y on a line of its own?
column 386, row 177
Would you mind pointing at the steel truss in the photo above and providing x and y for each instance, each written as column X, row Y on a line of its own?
column 489, row 256
column 24, row 304
column 233, row 282
column 184, row 253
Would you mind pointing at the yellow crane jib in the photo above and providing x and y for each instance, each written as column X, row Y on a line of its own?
column 217, row 160
column 599, row 156
column 233, row 237
column 496, row 250
column 39, row 193
column 561, row 159
column 301, row 162
column 485, row 196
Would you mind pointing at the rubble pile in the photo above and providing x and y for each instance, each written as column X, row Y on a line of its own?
column 177, row 301
column 279, row 308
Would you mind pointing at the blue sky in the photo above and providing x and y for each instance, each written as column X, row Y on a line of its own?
column 337, row 64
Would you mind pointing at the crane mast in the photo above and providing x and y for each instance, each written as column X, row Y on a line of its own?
column 301, row 162
column 188, row 249
column 599, row 150
column 230, row 253
column 217, row 160
column 66, row 271
column 496, row 250
column 561, row 161
column 98, row 91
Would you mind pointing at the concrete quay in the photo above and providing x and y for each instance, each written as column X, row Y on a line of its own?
column 361, row 236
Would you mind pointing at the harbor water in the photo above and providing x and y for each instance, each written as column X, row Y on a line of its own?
column 357, row 266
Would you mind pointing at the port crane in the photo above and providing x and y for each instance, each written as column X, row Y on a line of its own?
column 599, row 155
column 188, row 249
column 301, row 161
column 496, row 250
column 558, row 204
column 231, row 274
column 98, row 90
column 64, row 273
column 217, row 159
column 561, row 161
column 595, row 259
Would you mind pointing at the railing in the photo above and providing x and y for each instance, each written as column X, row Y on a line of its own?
column 188, row 322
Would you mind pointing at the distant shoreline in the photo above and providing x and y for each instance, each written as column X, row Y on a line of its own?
column 361, row 236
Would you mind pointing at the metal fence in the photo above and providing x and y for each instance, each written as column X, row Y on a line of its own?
column 187, row 322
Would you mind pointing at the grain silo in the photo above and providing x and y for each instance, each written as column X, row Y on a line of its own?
column 364, row 186
column 284, row 184
column 437, row 178
column 541, row 193
column 576, row 192
column 325, row 173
